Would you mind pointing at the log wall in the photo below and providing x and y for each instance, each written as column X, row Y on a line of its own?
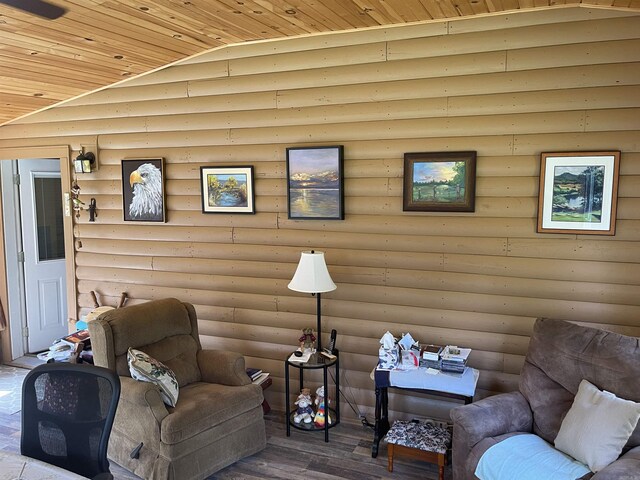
column 507, row 86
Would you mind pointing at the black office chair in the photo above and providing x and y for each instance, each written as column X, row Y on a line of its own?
column 67, row 415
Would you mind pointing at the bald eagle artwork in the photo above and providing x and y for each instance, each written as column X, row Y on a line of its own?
column 147, row 197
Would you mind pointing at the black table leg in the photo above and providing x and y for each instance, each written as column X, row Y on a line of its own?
column 301, row 371
column 385, row 408
column 376, row 428
column 382, row 419
column 337, row 419
column 287, row 413
column 326, row 407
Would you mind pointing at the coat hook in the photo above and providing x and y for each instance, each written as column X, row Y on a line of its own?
column 92, row 210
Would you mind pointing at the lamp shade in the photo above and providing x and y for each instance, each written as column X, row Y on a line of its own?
column 312, row 275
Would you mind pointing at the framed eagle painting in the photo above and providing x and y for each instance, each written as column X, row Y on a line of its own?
column 143, row 197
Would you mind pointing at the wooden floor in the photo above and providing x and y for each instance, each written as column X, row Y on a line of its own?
column 303, row 455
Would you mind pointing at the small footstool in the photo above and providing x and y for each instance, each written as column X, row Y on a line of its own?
column 422, row 441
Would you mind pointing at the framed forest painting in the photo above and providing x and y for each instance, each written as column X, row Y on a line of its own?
column 439, row 182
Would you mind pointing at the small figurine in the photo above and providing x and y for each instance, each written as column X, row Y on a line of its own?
column 304, row 413
column 322, row 411
column 307, row 339
column 78, row 204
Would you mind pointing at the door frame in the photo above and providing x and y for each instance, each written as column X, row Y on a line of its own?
column 61, row 152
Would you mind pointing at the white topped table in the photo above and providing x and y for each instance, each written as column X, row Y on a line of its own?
column 460, row 387
column 14, row 466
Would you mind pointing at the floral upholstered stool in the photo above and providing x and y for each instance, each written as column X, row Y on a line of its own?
column 422, row 441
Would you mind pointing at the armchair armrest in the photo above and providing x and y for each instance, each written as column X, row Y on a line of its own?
column 143, row 394
column 489, row 417
column 493, row 416
column 226, row 368
column 627, row 467
column 139, row 416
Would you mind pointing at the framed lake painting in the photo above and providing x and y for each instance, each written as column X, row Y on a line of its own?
column 439, row 182
column 143, row 196
column 578, row 192
column 227, row 189
column 315, row 183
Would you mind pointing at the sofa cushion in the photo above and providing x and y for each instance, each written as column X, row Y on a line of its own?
column 550, row 381
column 205, row 405
column 147, row 369
column 527, row 457
column 597, row 426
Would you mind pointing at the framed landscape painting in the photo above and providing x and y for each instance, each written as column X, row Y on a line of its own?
column 227, row 189
column 578, row 192
column 143, row 197
column 439, row 182
column 315, row 183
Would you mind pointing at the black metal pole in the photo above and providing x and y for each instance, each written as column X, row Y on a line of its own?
column 319, row 313
column 286, row 397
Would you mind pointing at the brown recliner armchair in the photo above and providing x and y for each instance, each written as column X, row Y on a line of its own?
column 560, row 355
column 218, row 417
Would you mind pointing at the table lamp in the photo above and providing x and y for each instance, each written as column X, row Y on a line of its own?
column 313, row 277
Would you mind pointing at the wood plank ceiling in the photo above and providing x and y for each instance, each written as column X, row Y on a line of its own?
column 100, row 42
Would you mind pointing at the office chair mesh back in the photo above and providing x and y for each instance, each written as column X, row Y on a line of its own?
column 67, row 415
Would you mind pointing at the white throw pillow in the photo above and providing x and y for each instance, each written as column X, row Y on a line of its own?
column 597, row 426
column 147, row 369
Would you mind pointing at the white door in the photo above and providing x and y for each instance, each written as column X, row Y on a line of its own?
column 43, row 245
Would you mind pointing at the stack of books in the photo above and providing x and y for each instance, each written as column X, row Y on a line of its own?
column 454, row 359
column 257, row 376
column 253, row 373
column 430, row 356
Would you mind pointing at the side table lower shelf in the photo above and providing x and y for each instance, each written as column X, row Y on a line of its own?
column 311, row 427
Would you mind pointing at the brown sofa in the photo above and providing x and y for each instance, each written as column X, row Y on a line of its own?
column 218, row 417
column 560, row 355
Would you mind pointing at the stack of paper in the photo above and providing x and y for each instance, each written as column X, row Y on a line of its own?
column 303, row 359
column 454, row 359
